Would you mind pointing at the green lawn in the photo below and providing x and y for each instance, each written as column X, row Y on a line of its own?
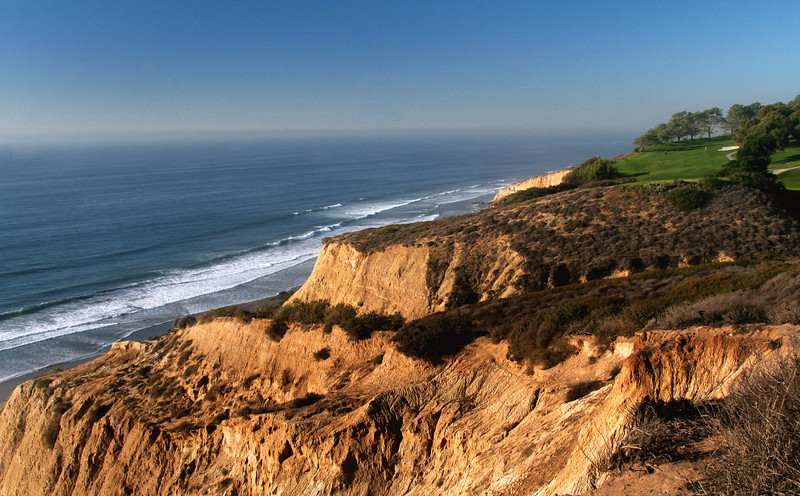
column 691, row 160
column 683, row 160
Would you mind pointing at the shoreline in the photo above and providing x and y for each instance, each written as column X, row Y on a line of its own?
column 7, row 387
column 144, row 334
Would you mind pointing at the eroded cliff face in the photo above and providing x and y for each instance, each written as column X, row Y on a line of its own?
column 414, row 280
column 221, row 409
column 543, row 181
column 564, row 238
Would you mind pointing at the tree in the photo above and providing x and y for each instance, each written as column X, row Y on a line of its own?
column 677, row 125
column 795, row 117
column 648, row 138
column 709, row 119
column 683, row 124
column 664, row 133
column 755, row 154
column 738, row 114
column 794, row 102
column 776, row 120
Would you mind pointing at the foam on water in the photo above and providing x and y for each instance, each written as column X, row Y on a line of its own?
column 101, row 241
column 122, row 310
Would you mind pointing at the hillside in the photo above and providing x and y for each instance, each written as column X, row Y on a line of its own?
column 220, row 408
column 538, row 341
column 564, row 238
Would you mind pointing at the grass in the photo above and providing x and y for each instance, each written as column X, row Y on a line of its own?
column 791, row 179
column 691, row 160
column 685, row 160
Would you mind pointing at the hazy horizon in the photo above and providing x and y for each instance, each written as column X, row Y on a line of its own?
column 105, row 71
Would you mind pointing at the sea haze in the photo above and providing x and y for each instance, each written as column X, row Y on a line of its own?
column 98, row 241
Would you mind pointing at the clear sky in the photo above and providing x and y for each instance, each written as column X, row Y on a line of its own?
column 112, row 68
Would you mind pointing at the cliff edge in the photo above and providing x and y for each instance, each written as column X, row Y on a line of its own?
column 543, row 181
column 583, row 309
column 564, row 238
column 219, row 408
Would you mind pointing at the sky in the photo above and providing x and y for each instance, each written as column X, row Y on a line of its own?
column 95, row 69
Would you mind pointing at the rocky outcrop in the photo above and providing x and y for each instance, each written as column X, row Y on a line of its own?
column 411, row 280
column 543, row 181
column 219, row 408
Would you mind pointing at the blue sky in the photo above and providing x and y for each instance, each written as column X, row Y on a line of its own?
column 117, row 68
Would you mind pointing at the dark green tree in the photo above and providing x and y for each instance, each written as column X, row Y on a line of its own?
column 755, row 154
column 709, row 119
column 648, row 138
column 680, row 125
column 777, row 120
column 738, row 114
column 663, row 132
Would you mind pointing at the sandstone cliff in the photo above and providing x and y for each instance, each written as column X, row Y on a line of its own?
column 543, row 181
column 559, row 239
column 221, row 409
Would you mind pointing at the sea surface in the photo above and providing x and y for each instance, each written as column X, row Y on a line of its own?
column 98, row 241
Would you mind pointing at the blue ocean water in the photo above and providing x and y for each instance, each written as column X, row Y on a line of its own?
column 100, row 240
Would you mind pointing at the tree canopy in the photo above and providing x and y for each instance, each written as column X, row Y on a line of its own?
column 777, row 120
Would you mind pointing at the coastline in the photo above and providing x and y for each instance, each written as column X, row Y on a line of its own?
column 7, row 387
column 154, row 331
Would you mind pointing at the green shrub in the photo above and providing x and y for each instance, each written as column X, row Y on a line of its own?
column 711, row 183
column 184, row 322
column 764, row 181
column 532, row 193
column 592, row 170
column 266, row 311
column 362, row 326
column 435, row 337
column 229, row 312
column 687, row 198
column 339, row 314
column 538, row 342
column 303, row 312
column 277, row 329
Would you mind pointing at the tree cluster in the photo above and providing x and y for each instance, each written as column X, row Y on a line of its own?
column 682, row 125
column 780, row 120
column 762, row 131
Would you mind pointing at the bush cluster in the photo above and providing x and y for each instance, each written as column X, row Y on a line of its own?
column 730, row 308
column 305, row 312
column 531, row 193
column 759, row 424
column 231, row 312
column 619, row 308
column 345, row 316
column 435, row 337
column 593, row 170
column 687, row 198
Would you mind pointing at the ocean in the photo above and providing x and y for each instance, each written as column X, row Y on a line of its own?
column 98, row 241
